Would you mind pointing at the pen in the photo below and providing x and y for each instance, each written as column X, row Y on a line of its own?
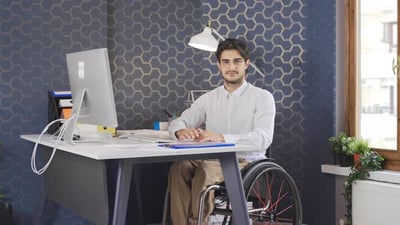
column 164, row 145
column 168, row 113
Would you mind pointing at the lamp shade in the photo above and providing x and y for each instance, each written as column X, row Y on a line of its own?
column 204, row 41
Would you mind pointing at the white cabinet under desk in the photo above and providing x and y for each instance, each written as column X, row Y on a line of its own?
column 375, row 200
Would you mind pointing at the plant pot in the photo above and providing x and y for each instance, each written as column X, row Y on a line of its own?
column 345, row 160
column 5, row 213
column 356, row 158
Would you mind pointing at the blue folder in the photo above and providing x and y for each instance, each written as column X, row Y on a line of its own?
column 197, row 145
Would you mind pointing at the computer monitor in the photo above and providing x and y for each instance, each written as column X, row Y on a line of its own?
column 91, row 89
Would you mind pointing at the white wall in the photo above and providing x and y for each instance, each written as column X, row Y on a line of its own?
column 375, row 203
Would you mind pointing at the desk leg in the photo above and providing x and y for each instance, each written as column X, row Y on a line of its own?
column 138, row 195
column 122, row 191
column 234, row 185
column 40, row 207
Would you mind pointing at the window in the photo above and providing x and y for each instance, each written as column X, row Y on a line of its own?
column 372, row 81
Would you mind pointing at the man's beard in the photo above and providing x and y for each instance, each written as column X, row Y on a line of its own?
column 237, row 80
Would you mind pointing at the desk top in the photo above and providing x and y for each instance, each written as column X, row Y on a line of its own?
column 117, row 148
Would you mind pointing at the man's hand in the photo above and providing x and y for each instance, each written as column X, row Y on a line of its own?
column 188, row 133
column 198, row 134
column 210, row 136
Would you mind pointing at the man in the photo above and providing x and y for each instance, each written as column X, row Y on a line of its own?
column 236, row 112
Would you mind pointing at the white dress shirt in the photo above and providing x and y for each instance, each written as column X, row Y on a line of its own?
column 246, row 115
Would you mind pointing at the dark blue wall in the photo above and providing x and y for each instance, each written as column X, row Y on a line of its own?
column 293, row 43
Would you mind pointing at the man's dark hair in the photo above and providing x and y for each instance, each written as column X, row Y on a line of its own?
column 232, row 44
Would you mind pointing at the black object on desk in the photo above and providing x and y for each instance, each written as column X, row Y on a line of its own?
column 56, row 103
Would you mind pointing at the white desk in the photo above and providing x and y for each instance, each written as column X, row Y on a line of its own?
column 98, row 153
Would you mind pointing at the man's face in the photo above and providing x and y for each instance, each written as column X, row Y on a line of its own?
column 233, row 66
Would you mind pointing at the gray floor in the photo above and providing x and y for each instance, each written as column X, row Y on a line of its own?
column 218, row 224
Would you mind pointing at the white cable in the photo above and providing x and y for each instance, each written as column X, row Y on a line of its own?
column 58, row 140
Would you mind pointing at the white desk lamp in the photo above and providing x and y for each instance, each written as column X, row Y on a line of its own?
column 206, row 41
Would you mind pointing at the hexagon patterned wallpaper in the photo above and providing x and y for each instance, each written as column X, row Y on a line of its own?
column 292, row 42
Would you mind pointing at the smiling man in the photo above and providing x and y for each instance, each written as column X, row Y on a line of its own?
column 236, row 112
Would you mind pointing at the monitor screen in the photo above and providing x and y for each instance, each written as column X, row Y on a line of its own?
column 91, row 89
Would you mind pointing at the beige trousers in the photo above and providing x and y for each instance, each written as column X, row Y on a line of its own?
column 187, row 179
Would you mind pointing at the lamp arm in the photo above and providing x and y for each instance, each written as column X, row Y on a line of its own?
column 256, row 69
column 218, row 34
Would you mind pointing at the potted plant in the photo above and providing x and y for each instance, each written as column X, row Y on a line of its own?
column 341, row 147
column 5, row 212
column 369, row 161
column 358, row 147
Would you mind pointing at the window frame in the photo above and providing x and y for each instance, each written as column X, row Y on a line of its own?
column 392, row 157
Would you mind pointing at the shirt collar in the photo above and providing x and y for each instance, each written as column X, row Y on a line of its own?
column 238, row 92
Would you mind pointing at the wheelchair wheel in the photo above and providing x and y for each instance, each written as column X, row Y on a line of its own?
column 272, row 196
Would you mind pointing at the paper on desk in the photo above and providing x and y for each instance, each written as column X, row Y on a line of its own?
column 145, row 135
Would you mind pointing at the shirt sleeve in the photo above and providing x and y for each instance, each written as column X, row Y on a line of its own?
column 192, row 117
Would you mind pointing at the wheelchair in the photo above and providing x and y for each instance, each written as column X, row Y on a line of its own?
column 271, row 193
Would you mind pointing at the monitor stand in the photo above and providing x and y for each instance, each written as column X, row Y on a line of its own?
column 68, row 135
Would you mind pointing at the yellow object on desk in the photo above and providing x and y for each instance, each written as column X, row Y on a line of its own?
column 110, row 130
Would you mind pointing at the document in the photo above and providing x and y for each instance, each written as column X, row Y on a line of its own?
column 145, row 135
